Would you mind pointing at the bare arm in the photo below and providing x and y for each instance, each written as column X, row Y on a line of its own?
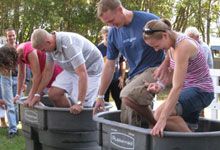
column 46, row 76
column 21, row 73
column 35, row 68
column 161, row 73
column 181, row 56
column 21, row 80
column 107, row 75
column 45, row 79
column 123, row 74
column 83, row 82
column 21, row 77
column 82, row 88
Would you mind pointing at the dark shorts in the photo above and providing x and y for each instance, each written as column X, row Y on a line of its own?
column 192, row 101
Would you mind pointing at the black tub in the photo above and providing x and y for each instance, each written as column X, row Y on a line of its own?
column 51, row 128
column 117, row 136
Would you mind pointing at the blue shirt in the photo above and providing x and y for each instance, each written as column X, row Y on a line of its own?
column 128, row 40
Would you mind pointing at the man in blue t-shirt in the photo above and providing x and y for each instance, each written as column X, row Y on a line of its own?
column 119, row 75
column 126, row 37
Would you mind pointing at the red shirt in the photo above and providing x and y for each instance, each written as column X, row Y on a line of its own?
column 27, row 49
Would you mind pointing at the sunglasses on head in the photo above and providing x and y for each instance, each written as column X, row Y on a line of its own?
column 149, row 31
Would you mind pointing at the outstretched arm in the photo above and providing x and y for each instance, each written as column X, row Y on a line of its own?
column 82, row 88
column 122, row 68
column 107, row 75
column 46, row 75
column 35, row 68
column 21, row 80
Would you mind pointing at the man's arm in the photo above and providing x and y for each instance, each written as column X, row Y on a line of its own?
column 122, row 78
column 107, row 75
column 82, row 88
column 82, row 82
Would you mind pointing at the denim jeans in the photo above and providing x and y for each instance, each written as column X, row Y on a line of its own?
column 2, row 111
column 7, row 95
column 193, row 100
column 14, row 89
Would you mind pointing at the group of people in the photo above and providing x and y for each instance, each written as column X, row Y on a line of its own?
column 69, row 63
column 157, row 56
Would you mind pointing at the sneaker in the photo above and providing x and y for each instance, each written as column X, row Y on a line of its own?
column 12, row 134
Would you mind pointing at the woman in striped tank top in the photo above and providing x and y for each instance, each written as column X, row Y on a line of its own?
column 192, row 88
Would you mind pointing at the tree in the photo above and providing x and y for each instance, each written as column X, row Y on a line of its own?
column 80, row 15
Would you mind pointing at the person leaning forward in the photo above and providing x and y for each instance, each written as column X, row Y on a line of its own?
column 125, row 37
column 82, row 66
column 192, row 87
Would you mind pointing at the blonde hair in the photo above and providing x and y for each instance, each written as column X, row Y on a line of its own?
column 104, row 29
column 154, row 28
column 105, row 5
column 192, row 31
column 38, row 37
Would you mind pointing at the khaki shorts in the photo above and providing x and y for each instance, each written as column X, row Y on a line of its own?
column 137, row 91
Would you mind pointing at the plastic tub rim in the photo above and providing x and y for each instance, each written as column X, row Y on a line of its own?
column 98, row 118
column 58, row 108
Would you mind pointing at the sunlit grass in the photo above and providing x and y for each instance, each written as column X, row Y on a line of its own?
column 16, row 143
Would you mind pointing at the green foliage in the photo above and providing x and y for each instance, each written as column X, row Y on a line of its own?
column 198, row 13
column 80, row 15
column 159, row 7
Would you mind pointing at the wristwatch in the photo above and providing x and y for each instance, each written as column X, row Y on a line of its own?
column 37, row 95
column 79, row 103
column 101, row 96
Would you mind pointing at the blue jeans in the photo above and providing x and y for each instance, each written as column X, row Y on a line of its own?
column 7, row 95
column 2, row 111
column 193, row 100
column 14, row 90
column 0, row 87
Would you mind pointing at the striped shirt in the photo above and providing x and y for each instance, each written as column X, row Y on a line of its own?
column 72, row 50
column 198, row 71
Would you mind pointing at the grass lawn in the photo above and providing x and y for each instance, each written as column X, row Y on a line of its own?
column 16, row 143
